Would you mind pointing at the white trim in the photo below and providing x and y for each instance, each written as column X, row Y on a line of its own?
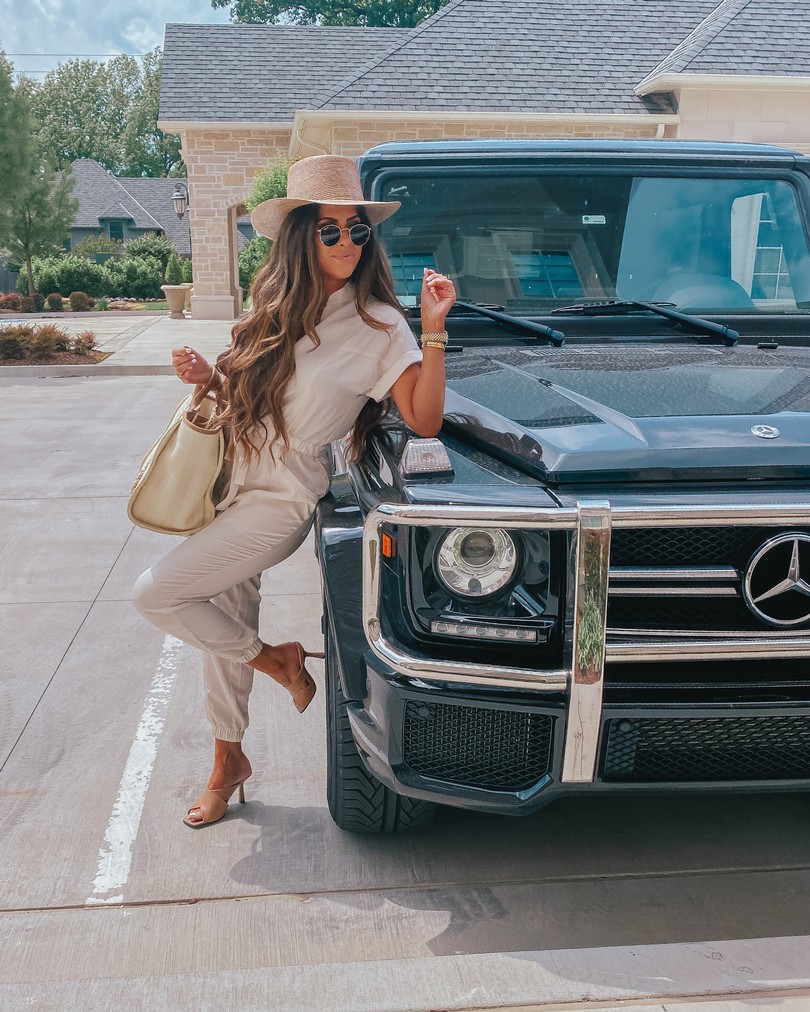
column 726, row 82
column 440, row 115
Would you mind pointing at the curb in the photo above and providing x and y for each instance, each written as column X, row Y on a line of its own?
column 66, row 371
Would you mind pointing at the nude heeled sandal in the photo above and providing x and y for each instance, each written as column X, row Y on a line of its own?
column 302, row 687
column 212, row 805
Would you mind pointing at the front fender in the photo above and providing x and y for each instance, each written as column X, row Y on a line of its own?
column 339, row 549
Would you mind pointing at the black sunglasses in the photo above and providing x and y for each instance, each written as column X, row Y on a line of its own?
column 330, row 234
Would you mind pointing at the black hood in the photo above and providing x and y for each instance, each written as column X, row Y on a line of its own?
column 636, row 411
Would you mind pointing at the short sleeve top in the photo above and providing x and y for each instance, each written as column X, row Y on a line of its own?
column 332, row 382
column 353, row 362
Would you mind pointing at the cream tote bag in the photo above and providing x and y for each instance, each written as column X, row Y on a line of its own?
column 182, row 476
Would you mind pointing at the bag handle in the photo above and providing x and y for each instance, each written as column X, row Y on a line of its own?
column 204, row 390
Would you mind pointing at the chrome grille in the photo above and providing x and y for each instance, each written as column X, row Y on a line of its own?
column 685, row 546
column 680, row 580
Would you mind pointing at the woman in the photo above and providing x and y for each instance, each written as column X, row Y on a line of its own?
column 322, row 349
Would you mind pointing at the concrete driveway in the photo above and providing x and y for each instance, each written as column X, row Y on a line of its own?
column 109, row 900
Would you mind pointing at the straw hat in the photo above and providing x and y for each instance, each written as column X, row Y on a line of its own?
column 321, row 179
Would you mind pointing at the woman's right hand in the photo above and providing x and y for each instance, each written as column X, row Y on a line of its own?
column 190, row 366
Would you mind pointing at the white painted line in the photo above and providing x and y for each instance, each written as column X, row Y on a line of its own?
column 115, row 855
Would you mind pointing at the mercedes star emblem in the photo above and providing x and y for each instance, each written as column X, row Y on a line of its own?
column 765, row 431
column 773, row 586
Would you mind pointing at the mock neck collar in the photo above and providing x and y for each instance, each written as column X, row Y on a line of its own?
column 342, row 297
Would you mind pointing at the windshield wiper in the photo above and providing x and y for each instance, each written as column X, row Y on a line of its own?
column 679, row 321
column 516, row 323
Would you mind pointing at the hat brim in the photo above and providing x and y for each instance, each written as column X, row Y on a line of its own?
column 268, row 216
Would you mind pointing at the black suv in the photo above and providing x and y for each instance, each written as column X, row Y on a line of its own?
column 597, row 578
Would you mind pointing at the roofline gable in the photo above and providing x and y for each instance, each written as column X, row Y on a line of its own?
column 695, row 42
column 376, row 61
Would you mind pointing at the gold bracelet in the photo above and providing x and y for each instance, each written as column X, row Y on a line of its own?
column 439, row 335
column 434, row 344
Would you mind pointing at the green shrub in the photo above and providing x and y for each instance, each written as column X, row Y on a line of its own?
column 54, row 302
column 46, row 275
column 152, row 246
column 101, row 305
column 174, row 272
column 80, row 302
column 11, row 344
column 135, row 277
column 251, row 258
column 188, row 270
column 96, row 244
column 84, row 342
column 79, row 275
column 67, row 274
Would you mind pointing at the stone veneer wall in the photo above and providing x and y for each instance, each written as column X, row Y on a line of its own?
column 355, row 138
column 221, row 167
column 776, row 115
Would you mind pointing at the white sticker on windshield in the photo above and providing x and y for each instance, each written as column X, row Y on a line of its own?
column 594, row 219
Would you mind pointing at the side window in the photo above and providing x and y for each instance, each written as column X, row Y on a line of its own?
column 116, row 228
column 758, row 254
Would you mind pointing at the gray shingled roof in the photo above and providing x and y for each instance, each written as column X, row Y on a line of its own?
column 746, row 37
column 97, row 191
column 259, row 73
column 156, row 196
column 144, row 201
column 579, row 56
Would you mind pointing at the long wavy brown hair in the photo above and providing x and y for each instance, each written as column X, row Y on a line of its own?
column 288, row 296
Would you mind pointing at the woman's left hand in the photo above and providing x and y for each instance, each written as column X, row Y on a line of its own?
column 438, row 297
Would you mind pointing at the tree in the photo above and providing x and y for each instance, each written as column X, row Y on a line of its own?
column 147, row 150
column 107, row 111
column 269, row 183
column 371, row 13
column 42, row 217
column 82, row 108
column 16, row 141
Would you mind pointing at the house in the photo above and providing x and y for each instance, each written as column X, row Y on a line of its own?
column 126, row 207
column 240, row 96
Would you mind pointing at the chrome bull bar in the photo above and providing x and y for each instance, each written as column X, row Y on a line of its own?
column 582, row 677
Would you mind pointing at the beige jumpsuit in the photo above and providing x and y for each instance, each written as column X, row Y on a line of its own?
column 206, row 591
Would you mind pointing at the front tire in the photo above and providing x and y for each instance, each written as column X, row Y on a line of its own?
column 358, row 801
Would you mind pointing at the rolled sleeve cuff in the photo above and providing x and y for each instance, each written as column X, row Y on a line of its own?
column 383, row 386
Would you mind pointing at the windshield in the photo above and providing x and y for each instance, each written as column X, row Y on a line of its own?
column 532, row 242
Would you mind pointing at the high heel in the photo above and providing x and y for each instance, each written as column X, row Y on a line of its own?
column 212, row 805
column 302, row 686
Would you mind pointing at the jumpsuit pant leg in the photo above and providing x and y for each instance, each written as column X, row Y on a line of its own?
column 206, row 593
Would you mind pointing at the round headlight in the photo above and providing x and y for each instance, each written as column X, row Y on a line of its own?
column 475, row 562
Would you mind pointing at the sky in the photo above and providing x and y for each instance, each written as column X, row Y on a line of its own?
column 75, row 28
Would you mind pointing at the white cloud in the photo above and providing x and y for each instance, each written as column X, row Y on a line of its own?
column 74, row 28
column 141, row 34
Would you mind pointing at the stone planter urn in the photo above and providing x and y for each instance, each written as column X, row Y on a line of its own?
column 176, row 297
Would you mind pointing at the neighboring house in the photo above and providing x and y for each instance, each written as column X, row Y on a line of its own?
column 127, row 207
column 242, row 95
